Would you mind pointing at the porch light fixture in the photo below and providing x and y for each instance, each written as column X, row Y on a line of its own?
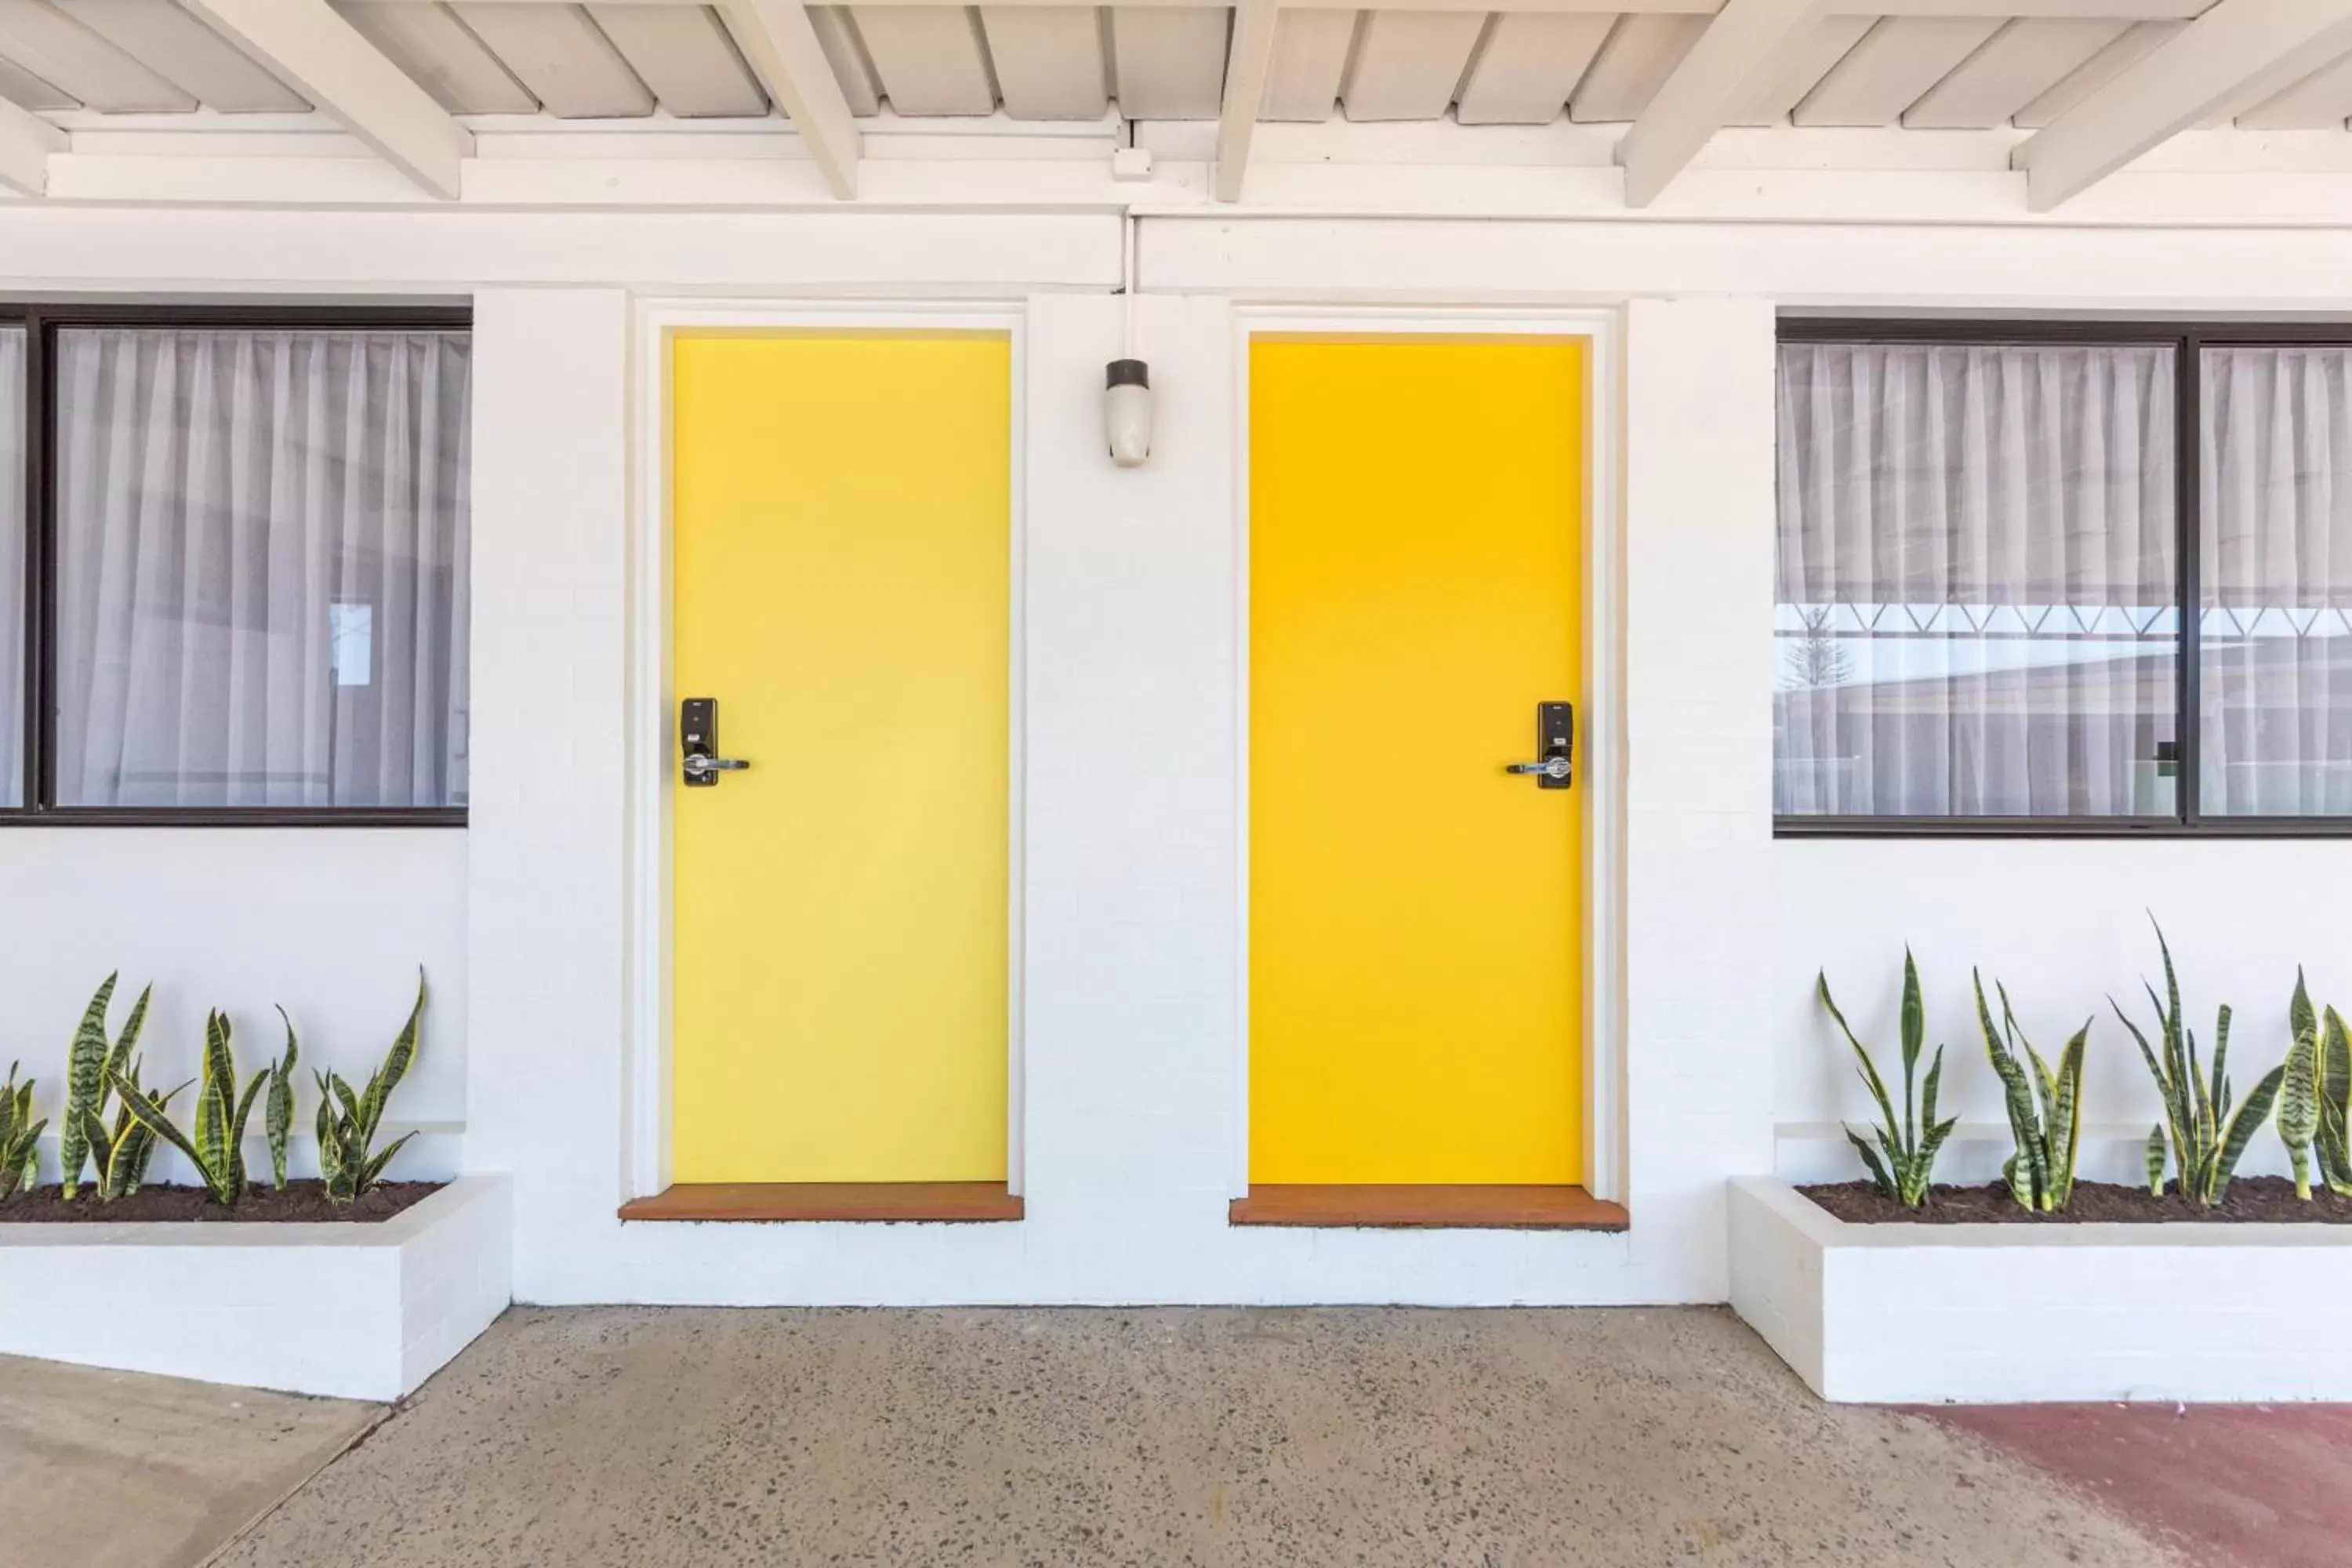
column 1126, row 411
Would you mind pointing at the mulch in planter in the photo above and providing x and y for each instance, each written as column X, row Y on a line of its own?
column 2268, row 1199
column 261, row 1205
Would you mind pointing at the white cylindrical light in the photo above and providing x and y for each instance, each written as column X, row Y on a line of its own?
column 1126, row 411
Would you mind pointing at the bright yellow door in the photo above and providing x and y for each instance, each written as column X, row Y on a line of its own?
column 841, row 581
column 1415, row 956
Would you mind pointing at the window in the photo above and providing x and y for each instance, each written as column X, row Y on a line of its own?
column 1987, row 538
column 236, row 586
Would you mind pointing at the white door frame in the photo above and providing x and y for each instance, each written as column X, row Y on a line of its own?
column 1600, row 706
column 652, row 764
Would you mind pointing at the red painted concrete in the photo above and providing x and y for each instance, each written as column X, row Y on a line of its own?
column 2234, row 1486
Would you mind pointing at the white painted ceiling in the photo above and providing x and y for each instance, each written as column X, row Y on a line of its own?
column 1062, row 62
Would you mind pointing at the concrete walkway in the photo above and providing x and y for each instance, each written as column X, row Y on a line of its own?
column 659, row 1438
column 113, row 1470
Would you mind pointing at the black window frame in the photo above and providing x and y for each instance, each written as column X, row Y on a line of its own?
column 2187, row 339
column 41, row 321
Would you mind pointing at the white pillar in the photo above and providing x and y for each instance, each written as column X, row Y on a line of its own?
column 1699, row 497
column 546, row 851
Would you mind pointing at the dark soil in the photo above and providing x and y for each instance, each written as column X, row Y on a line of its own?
column 2268, row 1199
column 261, row 1205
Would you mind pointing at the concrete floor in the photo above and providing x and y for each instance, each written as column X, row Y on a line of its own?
column 113, row 1470
column 658, row 1438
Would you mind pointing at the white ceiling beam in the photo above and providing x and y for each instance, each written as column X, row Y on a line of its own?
column 1739, row 55
column 326, row 59
column 25, row 143
column 2240, row 51
column 1248, row 62
column 782, row 45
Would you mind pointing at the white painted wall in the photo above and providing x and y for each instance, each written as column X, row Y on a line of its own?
column 329, row 923
column 1132, row 1073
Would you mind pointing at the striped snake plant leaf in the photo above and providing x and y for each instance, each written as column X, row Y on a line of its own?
column 2029, row 1179
column 131, row 1149
column 2240, row 1131
column 126, row 1043
column 330, row 1163
column 2156, row 1158
column 2223, row 1104
column 213, row 1094
column 2299, row 1102
column 278, row 1114
column 238, row 1125
column 153, row 1117
column 1915, row 1038
column 84, row 1086
column 395, row 1063
column 2333, row 1139
column 372, row 1172
column 1868, row 1068
column 2066, row 1143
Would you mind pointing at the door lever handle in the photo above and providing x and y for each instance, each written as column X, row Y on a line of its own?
column 700, row 764
column 1555, row 766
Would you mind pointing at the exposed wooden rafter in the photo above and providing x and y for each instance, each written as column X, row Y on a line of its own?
column 782, row 45
column 1248, row 61
column 25, row 143
column 2240, row 53
column 324, row 58
column 1742, row 52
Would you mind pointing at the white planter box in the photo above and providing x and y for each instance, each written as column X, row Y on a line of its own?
column 361, row 1311
column 1914, row 1314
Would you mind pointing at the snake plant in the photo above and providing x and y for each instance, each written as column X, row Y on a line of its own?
column 2208, row 1130
column 20, row 1137
column 348, row 1119
column 2045, row 1108
column 217, row 1147
column 1902, row 1163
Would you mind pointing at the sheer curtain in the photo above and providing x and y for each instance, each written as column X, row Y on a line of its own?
column 262, row 540
column 1977, row 588
column 2275, row 572
column 11, row 566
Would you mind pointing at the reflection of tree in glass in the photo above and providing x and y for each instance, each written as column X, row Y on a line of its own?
column 1815, row 658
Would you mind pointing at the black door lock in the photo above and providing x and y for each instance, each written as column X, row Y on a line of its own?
column 1555, row 764
column 698, row 744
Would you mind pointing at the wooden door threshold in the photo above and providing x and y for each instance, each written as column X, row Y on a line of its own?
column 885, row 1202
column 1427, row 1208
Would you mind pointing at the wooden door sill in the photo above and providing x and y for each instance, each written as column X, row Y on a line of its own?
column 885, row 1202
column 1427, row 1208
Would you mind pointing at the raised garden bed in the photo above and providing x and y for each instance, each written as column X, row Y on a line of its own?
column 302, row 1202
column 1939, row 1310
column 361, row 1310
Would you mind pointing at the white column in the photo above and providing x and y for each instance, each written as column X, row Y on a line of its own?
column 1699, row 491
column 547, row 852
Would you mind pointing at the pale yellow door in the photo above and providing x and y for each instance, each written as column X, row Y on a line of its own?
column 1415, row 973
column 841, row 587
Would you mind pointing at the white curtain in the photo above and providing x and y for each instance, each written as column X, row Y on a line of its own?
column 263, row 539
column 2275, row 573
column 1976, row 580
column 12, row 565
